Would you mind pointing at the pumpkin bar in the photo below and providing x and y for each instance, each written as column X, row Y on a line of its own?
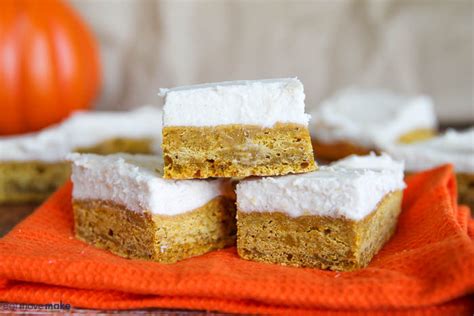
column 335, row 218
column 454, row 147
column 356, row 121
column 32, row 166
column 122, row 204
column 236, row 129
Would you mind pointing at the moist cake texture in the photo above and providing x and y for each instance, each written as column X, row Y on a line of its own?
column 161, row 238
column 357, row 121
column 30, row 182
column 315, row 241
column 122, row 204
column 335, row 218
column 236, row 151
column 236, row 129
column 32, row 166
column 328, row 152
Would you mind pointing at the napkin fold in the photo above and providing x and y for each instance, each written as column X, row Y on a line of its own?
column 427, row 267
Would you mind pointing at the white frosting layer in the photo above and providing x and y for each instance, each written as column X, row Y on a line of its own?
column 263, row 103
column 452, row 147
column 382, row 162
column 346, row 189
column 367, row 118
column 82, row 129
column 135, row 181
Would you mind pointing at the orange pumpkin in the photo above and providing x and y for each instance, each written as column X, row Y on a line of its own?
column 49, row 64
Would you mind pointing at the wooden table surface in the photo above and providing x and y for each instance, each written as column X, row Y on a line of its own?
column 10, row 215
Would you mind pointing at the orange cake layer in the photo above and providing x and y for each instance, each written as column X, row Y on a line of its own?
column 30, row 182
column 334, row 151
column 166, row 239
column 236, row 151
column 316, row 241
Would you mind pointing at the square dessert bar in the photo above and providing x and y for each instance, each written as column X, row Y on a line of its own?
column 32, row 166
column 356, row 121
column 236, row 129
column 335, row 218
column 122, row 204
column 453, row 147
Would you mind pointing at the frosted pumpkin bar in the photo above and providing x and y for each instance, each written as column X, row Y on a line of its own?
column 454, row 147
column 32, row 166
column 236, row 129
column 122, row 204
column 356, row 121
column 335, row 218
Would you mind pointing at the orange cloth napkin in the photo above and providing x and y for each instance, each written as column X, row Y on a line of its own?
column 427, row 267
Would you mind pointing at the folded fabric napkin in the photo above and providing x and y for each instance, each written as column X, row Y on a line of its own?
column 427, row 267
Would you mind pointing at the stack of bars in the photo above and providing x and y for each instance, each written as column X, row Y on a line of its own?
column 250, row 137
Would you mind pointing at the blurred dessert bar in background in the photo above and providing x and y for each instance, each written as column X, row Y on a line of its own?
column 337, row 217
column 355, row 121
column 455, row 147
column 236, row 129
column 32, row 166
column 121, row 203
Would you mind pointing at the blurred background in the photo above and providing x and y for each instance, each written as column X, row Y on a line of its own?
column 58, row 56
column 411, row 46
